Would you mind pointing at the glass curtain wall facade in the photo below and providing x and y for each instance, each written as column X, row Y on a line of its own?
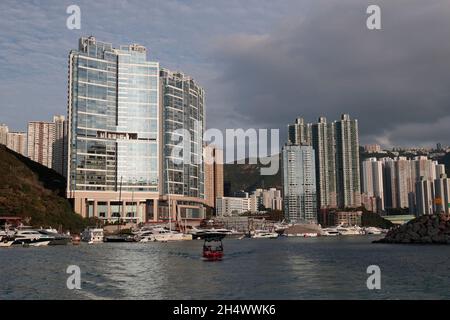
column 124, row 114
column 113, row 119
column 183, row 127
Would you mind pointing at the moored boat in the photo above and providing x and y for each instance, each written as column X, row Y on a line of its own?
column 76, row 239
column 373, row 230
column 162, row 234
column 261, row 234
column 6, row 242
column 202, row 233
column 92, row 235
column 349, row 231
column 31, row 237
column 59, row 238
column 119, row 238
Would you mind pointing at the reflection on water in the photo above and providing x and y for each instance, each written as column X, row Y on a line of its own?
column 286, row 268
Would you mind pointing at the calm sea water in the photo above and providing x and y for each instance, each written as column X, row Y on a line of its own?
column 284, row 268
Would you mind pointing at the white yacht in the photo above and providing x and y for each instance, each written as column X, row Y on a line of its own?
column 92, row 235
column 163, row 235
column 349, row 231
column 145, row 237
column 260, row 234
column 373, row 230
column 31, row 237
column 330, row 232
column 201, row 233
column 303, row 235
column 6, row 241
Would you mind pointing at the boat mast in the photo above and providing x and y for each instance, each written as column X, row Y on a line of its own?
column 120, row 203
column 168, row 194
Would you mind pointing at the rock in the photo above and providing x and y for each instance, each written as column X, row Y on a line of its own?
column 426, row 239
column 433, row 232
column 439, row 239
column 425, row 229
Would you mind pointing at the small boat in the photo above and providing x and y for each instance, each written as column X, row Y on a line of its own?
column 6, row 242
column 348, row 231
column 373, row 230
column 329, row 232
column 38, row 244
column 303, row 235
column 213, row 247
column 92, row 235
column 264, row 234
column 76, row 239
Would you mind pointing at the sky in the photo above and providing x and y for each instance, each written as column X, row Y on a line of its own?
column 262, row 62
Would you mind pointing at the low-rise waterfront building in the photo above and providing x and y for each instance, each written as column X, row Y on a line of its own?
column 233, row 206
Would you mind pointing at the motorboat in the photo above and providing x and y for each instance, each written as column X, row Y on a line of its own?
column 76, row 239
column 202, row 233
column 281, row 227
column 6, row 241
column 162, row 235
column 92, row 235
column 349, row 231
column 303, row 235
column 329, row 232
column 145, row 236
column 119, row 238
column 32, row 238
column 261, row 234
column 213, row 247
column 59, row 238
column 373, row 230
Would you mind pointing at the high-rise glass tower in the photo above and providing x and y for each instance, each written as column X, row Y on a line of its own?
column 299, row 184
column 184, row 123
column 124, row 122
column 113, row 129
column 347, row 162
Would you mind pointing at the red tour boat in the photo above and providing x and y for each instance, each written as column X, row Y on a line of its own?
column 213, row 247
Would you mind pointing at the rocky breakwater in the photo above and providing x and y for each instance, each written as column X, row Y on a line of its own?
column 426, row 229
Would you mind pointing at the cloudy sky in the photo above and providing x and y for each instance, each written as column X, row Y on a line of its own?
column 262, row 62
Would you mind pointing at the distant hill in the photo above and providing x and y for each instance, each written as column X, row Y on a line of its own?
column 35, row 193
column 248, row 176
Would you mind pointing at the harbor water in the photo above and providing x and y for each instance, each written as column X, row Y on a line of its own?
column 283, row 268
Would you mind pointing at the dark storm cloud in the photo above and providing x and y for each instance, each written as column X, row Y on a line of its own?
column 325, row 61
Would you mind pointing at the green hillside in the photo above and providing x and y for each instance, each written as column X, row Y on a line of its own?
column 35, row 193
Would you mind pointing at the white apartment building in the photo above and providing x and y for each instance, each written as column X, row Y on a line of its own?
column 232, row 206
